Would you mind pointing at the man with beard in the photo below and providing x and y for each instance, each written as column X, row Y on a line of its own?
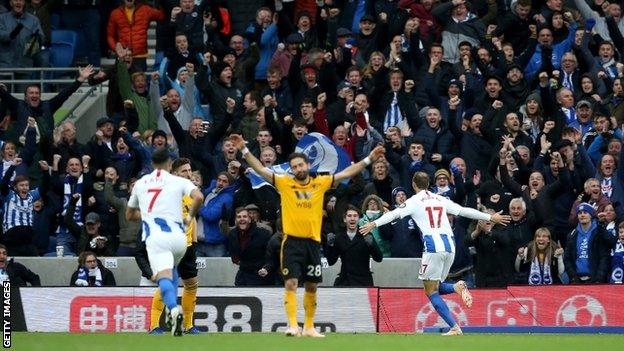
column 354, row 250
column 516, row 86
column 247, row 246
column 302, row 212
column 436, row 137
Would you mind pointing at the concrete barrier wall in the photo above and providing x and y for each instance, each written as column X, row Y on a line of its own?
column 53, row 271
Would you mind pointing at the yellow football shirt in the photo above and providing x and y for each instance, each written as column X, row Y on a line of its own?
column 302, row 205
column 191, row 236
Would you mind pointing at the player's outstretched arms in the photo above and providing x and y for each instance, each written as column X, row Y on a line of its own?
column 252, row 161
column 385, row 219
column 500, row 218
column 356, row 168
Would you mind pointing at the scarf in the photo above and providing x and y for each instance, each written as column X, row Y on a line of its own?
column 84, row 274
column 67, row 195
column 610, row 68
column 4, row 167
column 540, row 274
column 617, row 264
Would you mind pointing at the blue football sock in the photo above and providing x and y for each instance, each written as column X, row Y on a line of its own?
column 442, row 309
column 446, row 288
column 175, row 278
column 168, row 292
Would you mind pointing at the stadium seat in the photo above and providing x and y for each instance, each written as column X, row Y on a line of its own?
column 65, row 36
column 62, row 48
column 61, row 54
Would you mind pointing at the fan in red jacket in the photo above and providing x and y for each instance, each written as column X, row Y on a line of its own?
column 128, row 25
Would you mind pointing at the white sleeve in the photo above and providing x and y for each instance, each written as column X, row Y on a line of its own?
column 393, row 215
column 474, row 214
column 133, row 201
column 457, row 210
column 451, row 207
column 188, row 186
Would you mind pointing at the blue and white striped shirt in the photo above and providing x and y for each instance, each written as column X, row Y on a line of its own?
column 19, row 211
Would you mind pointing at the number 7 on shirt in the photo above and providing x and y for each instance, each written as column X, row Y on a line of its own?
column 153, row 200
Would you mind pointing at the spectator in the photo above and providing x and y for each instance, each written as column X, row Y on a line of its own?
column 256, row 217
column 128, row 230
column 91, row 272
column 617, row 258
column 83, row 17
column 21, row 37
column 354, row 250
column 128, row 25
column 492, row 261
column 586, row 255
column 263, row 31
column 373, row 208
column 15, row 272
column 18, row 230
column 248, row 245
column 189, row 19
column 218, row 199
column 541, row 260
column 89, row 236
column 404, row 236
column 33, row 106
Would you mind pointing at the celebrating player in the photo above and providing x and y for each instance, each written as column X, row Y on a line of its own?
column 187, row 269
column 156, row 200
column 429, row 211
column 302, row 212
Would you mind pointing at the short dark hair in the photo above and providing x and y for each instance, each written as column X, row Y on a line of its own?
column 33, row 85
column 179, row 162
column 351, row 207
column 421, row 180
column 160, row 156
column 240, row 209
column 295, row 155
column 417, row 142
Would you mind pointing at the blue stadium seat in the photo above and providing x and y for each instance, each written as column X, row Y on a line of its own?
column 61, row 54
column 62, row 48
column 65, row 36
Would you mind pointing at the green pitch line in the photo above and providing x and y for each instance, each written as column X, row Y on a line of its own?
column 333, row 342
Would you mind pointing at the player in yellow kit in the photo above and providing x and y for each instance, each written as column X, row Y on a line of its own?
column 187, row 268
column 302, row 213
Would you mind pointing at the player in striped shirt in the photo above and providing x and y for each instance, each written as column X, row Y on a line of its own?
column 430, row 211
column 18, row 206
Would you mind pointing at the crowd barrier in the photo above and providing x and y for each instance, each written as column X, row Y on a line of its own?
column 356, row 310
column 56, row 271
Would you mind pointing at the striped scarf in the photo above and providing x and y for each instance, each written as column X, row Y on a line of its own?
column 67, row 195
column 540, row 273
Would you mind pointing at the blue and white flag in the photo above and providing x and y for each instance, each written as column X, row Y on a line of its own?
column 324, row 156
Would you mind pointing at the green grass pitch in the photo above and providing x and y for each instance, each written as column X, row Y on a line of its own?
column 333, row 342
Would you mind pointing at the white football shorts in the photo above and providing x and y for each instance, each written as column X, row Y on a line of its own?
column 435, row 265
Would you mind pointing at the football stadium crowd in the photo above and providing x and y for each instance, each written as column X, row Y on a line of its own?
column 508, row 105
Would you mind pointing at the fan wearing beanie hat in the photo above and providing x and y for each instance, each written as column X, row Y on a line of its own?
column 585, row 256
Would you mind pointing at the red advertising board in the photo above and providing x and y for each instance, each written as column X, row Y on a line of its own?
column 106, row 314
column 409, row 310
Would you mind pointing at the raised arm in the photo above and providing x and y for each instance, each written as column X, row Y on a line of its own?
column 357, row 168
column 252, row 161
